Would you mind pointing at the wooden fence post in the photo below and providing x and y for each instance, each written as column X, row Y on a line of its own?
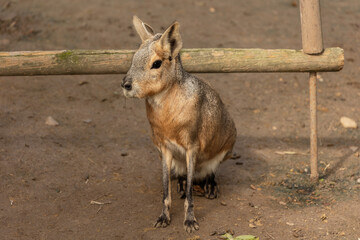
column 312, row 44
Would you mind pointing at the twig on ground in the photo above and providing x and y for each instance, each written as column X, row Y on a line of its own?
column 269, row 235
column 289, row 153
column 93, row 202
column 326, row 167
column 99, row 203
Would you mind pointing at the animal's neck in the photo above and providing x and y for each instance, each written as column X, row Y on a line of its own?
column 157, row 100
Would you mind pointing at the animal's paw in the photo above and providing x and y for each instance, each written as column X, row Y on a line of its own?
column 182, row 195
column 191, row 225
column 211, row 191
column 162, row 221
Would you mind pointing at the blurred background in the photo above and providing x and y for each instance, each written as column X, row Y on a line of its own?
column 101, row 150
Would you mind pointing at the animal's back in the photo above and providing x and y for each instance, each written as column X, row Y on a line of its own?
column 217, row 132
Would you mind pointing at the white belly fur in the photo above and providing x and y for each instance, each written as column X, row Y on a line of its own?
column 206, row 168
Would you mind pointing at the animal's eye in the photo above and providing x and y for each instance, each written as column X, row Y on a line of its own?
column 156, row 64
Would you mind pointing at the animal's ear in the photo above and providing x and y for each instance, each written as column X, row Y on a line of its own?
column 143, row 29
column 170, row 42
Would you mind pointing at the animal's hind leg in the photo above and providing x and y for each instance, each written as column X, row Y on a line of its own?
column 181, row 186
column 210, row 187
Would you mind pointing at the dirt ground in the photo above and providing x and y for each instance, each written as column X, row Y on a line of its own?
column 102, row 151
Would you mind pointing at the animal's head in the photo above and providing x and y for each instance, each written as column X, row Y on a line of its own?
column 153, row 65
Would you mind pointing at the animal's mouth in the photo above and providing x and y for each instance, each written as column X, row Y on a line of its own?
column 128, row 94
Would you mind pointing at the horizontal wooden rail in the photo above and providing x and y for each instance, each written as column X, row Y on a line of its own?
column 203, row 60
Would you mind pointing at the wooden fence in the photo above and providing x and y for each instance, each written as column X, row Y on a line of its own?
column 313, row 58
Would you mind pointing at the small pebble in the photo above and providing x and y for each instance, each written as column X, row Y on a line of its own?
column 318, row 77
column 358, row 180
column 348, row 122
column 223, row 203
column 51, row 121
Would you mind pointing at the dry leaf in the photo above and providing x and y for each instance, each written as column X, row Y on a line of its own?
column 322, row 109
column 324, row 218
column 354, row 148
column 252, row 225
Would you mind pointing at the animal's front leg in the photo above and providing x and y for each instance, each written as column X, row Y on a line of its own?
column 164, row 218
column 190, row 223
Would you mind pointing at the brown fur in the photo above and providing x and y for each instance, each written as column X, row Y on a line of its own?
column 191, row 127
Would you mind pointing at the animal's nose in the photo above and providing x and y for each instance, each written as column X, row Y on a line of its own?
column 126, row 84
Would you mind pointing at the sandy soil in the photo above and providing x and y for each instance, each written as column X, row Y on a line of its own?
column 101, row 151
